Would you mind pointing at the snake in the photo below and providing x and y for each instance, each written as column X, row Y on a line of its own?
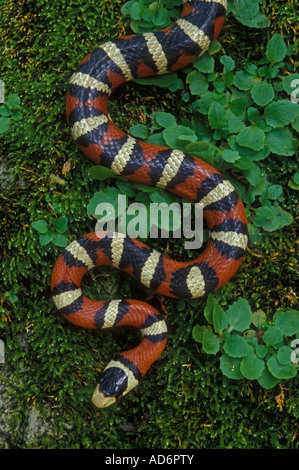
column 89, row 89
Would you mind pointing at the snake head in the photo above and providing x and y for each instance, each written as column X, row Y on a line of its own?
column 113, row 385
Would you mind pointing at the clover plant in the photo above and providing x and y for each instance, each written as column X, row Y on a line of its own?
column 52, row 233
column 250, row 346
column 148, row 15
column 9, row 111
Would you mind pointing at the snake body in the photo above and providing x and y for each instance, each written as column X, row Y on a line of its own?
column 90, row 87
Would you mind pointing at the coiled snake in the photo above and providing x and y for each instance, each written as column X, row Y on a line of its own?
column 90, row 87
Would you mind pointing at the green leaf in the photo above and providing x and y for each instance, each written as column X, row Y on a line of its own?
column 205, row 102
column 291, row 84
column 126, row 8
column 238, row 106
column 137, row 10
column 251, row 137
column 273, row 336
column 16, row 116
column 140, row 131
column 234, row 123
column 198, row 84
column 276, row 49
column 261, row 124
column 280, row 141
column 164, row 81
column 253, row 114
column 13, row 298
column 126, row 188
column 280, row 113
column 282, row 217
column 177, row 85
column 254, row 234
column 258, row 21
column 230, row 155
column 228, row 62
column 209, row 308
column 60, row 224
column 216, row 115
column 210, row 342
column 262, row 93
column 204, row 63
column 274, row 191
column 281, row 371
column 236, row 346
column 173, row 133
column 287, row 321
column 46, row 238
column 161, row 17
column 214, row 47
column 197, row 148
column 272, row 218
column 267, row 380
column 157, row 139
column 248, row 153
column 243, row 80
column 164, row 119
column 181, row 305
column 253, row 175
column 160, row 196
column 197, row 333
column 251, row 366
column 100, row 172
column 144, row 187
column 239, row 315
column 284, row 355
column 251, row 337
column 252, row 69
column 188, row 138
column 259, row 318
column 219, row 319
column 219, row 86
column 296, row 177
column 147, row 15
column 13, row 101
column 60, row 240
column 228, row 79
column 40, row 225
column 230, row 367
column 293, row 185
column 261, row 350
column 108, row 195
column 246, row 8
column 5, row 111
column 4, row 124
column 263, row 213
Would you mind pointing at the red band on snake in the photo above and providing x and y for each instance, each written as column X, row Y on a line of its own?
column 90, row 87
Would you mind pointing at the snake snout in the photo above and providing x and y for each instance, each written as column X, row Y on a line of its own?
column 111, row 387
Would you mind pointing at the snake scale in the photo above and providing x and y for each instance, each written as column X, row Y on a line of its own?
column 89, row 90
